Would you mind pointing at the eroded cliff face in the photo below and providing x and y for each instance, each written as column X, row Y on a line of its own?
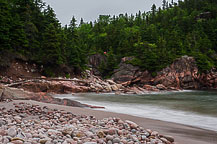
column 183, row 73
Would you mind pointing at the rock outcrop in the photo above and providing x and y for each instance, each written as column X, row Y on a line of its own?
column 96, row 84
column 183, row 73
column 53, row 87
column 126, row 72
column 95, row 61
column 8, row 94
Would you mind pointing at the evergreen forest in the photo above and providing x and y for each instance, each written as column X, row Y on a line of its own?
column 30, row 29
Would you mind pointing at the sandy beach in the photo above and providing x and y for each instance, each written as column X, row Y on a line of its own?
column 183, row 134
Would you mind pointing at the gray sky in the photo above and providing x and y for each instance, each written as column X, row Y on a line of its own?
column 89, row 10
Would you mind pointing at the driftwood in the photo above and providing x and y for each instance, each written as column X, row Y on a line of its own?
column 17, row 83
column 36, row 79
column 55, row 79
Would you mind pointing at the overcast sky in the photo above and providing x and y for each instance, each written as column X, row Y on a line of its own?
column 89, row 10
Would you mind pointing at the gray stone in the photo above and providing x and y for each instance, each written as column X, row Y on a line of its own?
column 116, row 140
column 109, row 137
column 109, row 142
column 133, row 131
column 12, row 132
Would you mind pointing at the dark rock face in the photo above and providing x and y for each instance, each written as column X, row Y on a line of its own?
column 95, row 61
column 126, row 72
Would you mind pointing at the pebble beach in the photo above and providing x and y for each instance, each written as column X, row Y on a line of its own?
column 29, row 122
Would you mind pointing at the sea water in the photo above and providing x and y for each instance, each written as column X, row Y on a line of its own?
column 194, row 108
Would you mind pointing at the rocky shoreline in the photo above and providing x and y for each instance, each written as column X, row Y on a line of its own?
column 181, row 74
column 24, row 123
column 27, row 123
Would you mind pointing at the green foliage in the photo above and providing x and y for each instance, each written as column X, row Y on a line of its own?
column 67, row 76
column 154, row 38
column 204, row 63
column 5, row 18
column 108, row 67
column 49, row 72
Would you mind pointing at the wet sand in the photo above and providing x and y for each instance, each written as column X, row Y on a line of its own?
column 183, row 134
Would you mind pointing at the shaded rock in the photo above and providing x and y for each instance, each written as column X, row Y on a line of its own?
column 116, row 140
column 95, row 61
column 109, row 137
column 126, row 72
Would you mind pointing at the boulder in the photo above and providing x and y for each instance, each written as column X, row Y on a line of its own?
column 111, row 82
column 126, row 72
column 161, row 87
column 114, row 87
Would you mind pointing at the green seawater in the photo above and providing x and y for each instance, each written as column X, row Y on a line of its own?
column 195, row 108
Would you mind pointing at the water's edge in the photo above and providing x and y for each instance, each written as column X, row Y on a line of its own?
column 192, row 108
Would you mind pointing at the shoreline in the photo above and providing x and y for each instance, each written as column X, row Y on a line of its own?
column 196, row 119
column 183, row 134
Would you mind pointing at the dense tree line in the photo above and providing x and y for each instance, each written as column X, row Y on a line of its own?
column 154, row 38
